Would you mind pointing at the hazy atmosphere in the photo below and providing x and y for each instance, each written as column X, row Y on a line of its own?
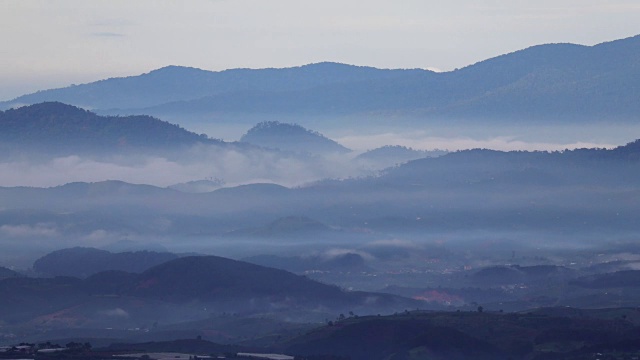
column 335, row 180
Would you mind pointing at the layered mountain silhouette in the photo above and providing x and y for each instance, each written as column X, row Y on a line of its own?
column 553, row 82
column 466, row 190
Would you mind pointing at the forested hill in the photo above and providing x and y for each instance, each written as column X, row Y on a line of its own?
column 291, row 137
column 57, row 127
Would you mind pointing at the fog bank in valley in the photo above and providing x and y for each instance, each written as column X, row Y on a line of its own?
column 232, row 166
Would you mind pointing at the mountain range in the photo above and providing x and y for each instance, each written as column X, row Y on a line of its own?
column 474, row 189
column 545, row 83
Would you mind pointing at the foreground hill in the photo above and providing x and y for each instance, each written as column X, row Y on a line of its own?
column 183, row 287
column 552, row 82
column 560, row 333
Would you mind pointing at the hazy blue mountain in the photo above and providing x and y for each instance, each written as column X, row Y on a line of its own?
column 291, row 137
column 54, row 127
column 553, row 82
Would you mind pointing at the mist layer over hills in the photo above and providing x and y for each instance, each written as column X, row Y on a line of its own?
column 573, row 198
column 70, row 144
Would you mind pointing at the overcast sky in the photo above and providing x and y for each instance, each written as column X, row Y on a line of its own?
column 52, row 43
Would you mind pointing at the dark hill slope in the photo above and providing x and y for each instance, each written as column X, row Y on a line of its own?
column 241, row 285
column 548, row 334
column 211, row 278
column 221, row 284
column 384, row 338
column 618, row 279
column 291, row 137
column 56, row 127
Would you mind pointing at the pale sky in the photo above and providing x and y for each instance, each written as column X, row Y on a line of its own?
column 53, row 43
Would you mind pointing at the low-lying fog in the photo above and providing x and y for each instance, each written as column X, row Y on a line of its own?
column 235, row 167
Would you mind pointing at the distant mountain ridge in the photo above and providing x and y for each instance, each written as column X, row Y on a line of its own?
column 177, row 83
column 553, row 82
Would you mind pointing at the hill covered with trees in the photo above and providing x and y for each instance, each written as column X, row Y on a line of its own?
column 53, row 127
